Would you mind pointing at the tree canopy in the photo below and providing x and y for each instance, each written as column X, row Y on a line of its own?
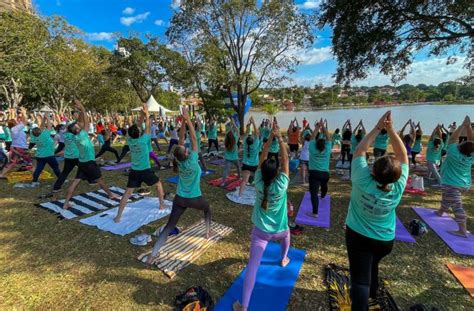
column 387, row 34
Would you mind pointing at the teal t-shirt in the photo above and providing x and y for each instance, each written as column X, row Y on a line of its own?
column 275, row 146
column 234, row 153
column 140, row 152
column 70, row 147
column 371, row 210
column 433, row 154
column 336, row 139
column 212, row 133
column 189, row 177
column 417, row 146
column 250, row 154
column 8, row 134
column 44, row 144
column 318, row 160
column 85, row 147
column 456, row 169
column 274, row 218
column 445, row 143
column 381, row 141
column 198, row 140
column 100, row 138
column 355, row 143
column 265, row 132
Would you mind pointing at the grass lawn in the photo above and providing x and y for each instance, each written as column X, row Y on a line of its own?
column 47, row 263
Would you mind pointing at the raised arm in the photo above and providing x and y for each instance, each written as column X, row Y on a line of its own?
column 47, row 122
column 316, row 130
column 436, row 132
column 368, row 139
column 146, row 115
column 182, row 132
column 396, row 141
column 266, row 147
column 85, row 118
column 24, row 115
column 465, row 126
column 255, row 128
column 192, row 132
column 39, row 121
column 285, row 163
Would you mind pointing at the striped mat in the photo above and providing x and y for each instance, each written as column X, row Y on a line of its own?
column 86, row 203
column 183, row 249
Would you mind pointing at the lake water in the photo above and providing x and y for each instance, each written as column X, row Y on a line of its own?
column 428, row 115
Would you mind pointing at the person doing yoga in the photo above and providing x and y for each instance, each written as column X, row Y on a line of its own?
column 456, row 176
column 252, row 146
column 269, row 217
column 188, row 193
column 371, row 218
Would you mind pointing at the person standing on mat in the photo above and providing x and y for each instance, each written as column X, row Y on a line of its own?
column 417, row 146
column 231, row 155
column 71, row 159
column 199, row 132
column 252, row 146
column 140, row 147
column 371, row 218
column 108, row 137
column 357, row 136
column 274, row 147
column 320, row 148
column 41, row 137
column 456, row 176
column 188, row 193
column 381, row 144
column 212, row 135
column 87, row 167
column 304, row 156
column 346, row 141
column 293, row 138
column 270, row 214
column 433, row 154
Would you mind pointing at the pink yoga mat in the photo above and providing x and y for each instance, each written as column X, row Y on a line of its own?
column 323, row 219
column 117, row 166
column 441, row 226
column 402, row 234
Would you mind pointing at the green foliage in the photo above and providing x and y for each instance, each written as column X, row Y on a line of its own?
column 387, row 34
column 270, row 109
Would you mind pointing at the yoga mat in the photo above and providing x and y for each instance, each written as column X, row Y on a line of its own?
column 59, row 159
column 464, row 275
column 116, row 167
column 402, row 234
column 415, row 191
column 133, row 218
column 323, row 219
column 217, row 182
column 233, row 185
column 183, row 249
column 248, row 196
column 27, row 176
column 441, row 225
column 217, row 162
column 274, row 284
column 175, row 179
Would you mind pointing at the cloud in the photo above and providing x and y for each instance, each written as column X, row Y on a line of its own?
column 128, row 11
column 175, row 4
column 160, row 22
column 309, row 5
column 100, row 36
column 314, row 55
column 127, row 21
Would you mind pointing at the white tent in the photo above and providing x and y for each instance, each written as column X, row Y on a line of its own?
column 153, row 106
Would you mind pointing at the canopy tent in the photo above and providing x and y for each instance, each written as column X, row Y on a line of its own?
column 45, row 108
column 153, row 106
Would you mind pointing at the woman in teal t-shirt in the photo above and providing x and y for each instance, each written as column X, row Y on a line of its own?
column 433, row 154
column 252, row 145
column 231, row 155
column 188, row 193
column 320, row 148
column 212, row 135
column 417, row 146
column 269, row 217
column 456, row 176
column 371, row 218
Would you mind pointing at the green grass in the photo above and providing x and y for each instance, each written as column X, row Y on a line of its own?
column 46, row 263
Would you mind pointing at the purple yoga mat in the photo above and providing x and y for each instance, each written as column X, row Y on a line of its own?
column 323, row 219
column 402, row 234
column 118, row 166
column 441, row 225
column 217, row 162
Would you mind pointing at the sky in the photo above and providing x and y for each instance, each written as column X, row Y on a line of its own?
column 101, row 19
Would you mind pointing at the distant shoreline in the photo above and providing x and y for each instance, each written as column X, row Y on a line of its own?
column 306, row 109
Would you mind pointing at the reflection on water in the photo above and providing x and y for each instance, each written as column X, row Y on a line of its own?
column 428, row 115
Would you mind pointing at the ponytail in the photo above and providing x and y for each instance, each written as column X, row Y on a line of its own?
column 269, row 170
column 265, row 194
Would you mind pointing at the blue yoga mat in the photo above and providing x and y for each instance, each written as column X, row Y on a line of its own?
column 274, row 284
column 175, row 179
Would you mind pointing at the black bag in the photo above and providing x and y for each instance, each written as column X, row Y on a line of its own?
column 417, row 227
column 192, row 296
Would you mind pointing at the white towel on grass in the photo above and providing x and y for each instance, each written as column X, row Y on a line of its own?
column 135, row 215
column 248, row 197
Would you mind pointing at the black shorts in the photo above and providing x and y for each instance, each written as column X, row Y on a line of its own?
column 246, row 167
column 136, row 178
column 294, row 147
column 89, row 171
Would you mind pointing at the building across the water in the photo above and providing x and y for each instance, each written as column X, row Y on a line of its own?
column 21, row 5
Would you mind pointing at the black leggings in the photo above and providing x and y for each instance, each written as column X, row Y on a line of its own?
column 41, row 163
column 317, row 179
column 364, row 258
column 413, row 157
column 123, row 153
column 69, row 165
column 345, row 149
column 210, row 143
column 106, row 147
column 180, row 205
column 59, row 148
